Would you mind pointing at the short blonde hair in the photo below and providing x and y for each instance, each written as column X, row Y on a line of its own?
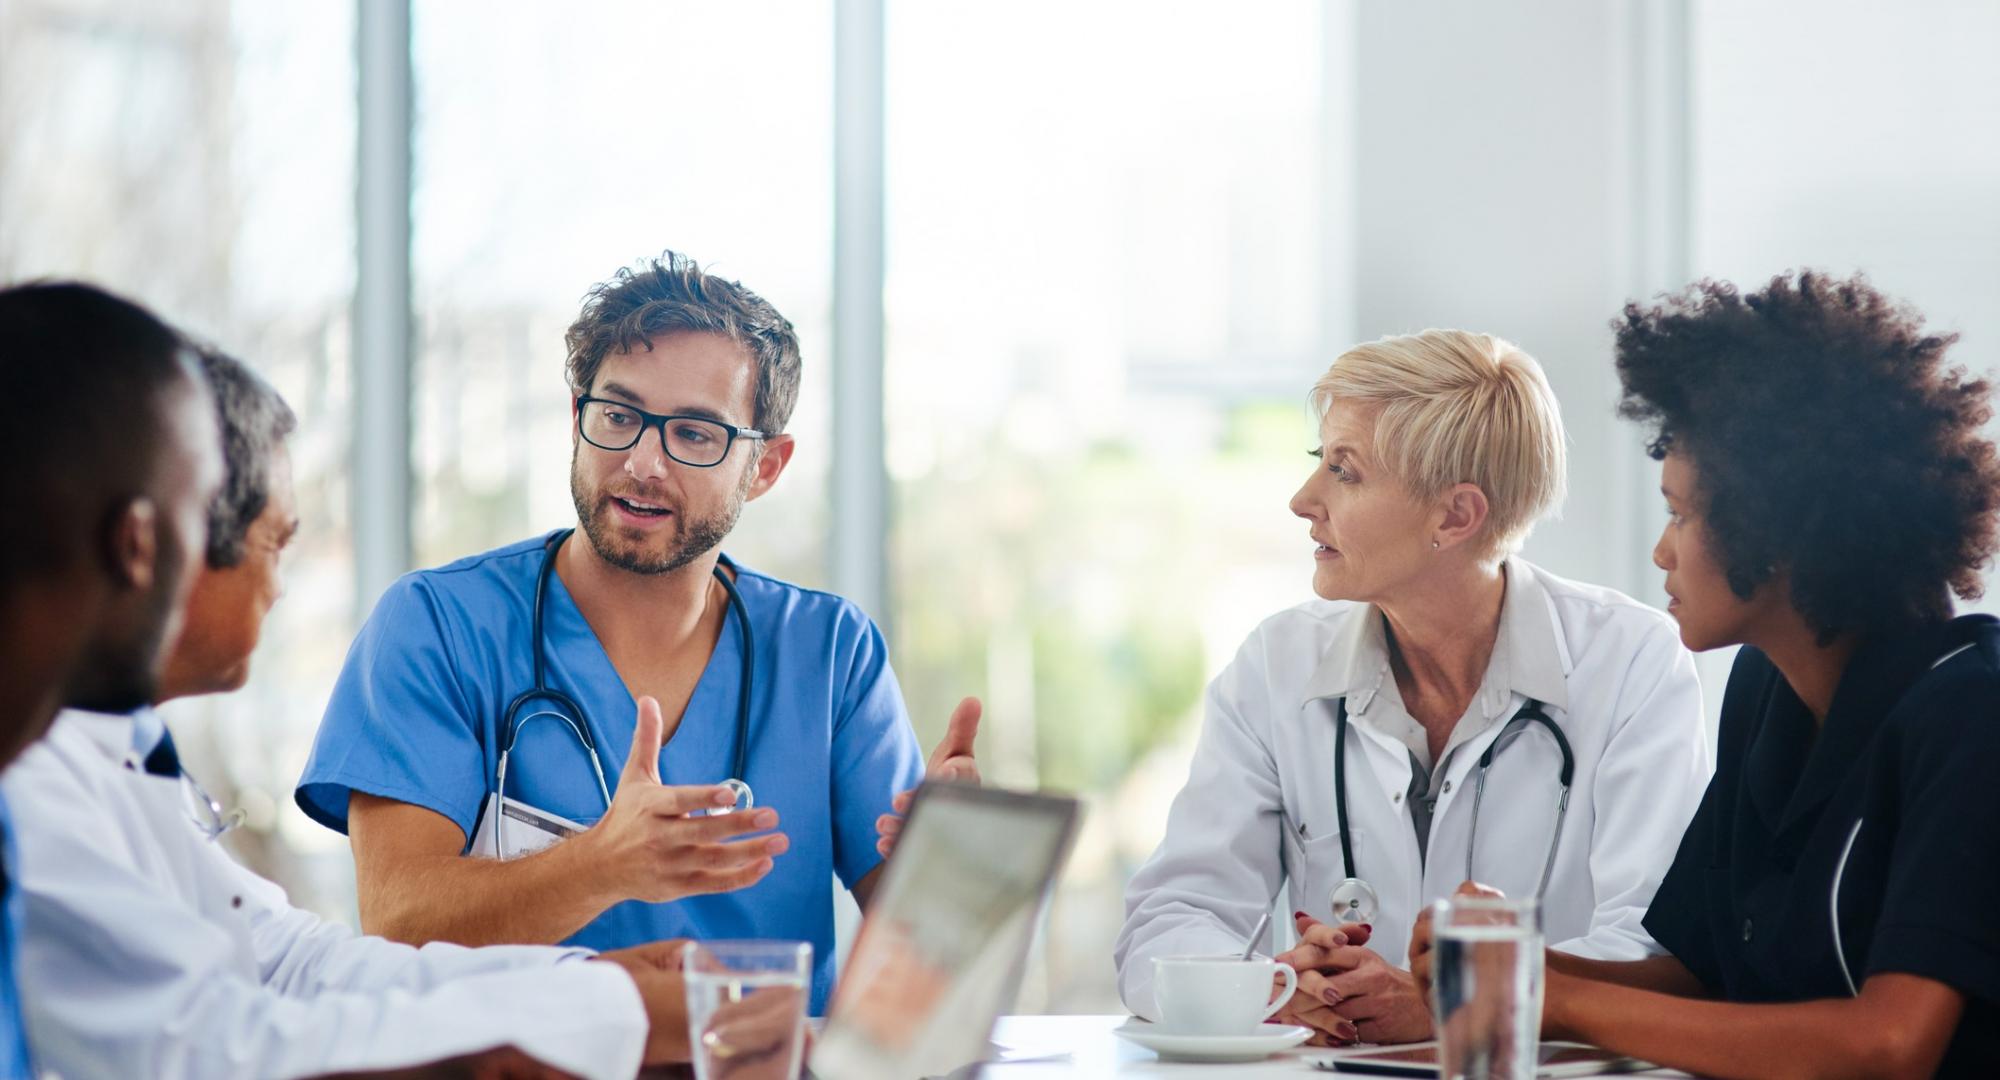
column 1458, row 407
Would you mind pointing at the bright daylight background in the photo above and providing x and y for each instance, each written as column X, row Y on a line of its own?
column 1121, row 240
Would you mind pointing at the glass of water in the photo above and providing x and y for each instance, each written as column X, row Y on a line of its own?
column 746, row 1005
column 1486, row 987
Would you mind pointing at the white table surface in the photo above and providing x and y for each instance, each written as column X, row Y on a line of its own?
column 1093, row 1051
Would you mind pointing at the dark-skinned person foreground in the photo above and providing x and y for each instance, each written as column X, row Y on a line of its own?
column 1828, row 489
column 150, row 952
column 112, row 456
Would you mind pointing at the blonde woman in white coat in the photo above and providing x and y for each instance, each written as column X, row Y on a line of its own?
column 1431, row 643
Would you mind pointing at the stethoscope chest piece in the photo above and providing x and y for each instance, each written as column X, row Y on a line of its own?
column 1353, row 901
column 745, row 798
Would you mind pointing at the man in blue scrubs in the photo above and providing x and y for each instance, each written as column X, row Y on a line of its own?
column 112, row 455
column 681, row 385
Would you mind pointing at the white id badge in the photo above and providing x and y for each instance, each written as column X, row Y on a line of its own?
column 529, row 829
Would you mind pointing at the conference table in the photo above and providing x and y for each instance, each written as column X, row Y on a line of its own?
column 1061, row 1047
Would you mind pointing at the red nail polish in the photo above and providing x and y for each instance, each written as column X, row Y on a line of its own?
column 1331, row 997
column 1300, row 915
column 1366, row 926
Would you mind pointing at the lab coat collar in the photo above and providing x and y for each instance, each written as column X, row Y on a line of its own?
column 110, row 733
column 1528, row 655
column 1537, row 661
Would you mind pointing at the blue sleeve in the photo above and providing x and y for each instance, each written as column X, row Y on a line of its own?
column 14, row 1063
column 874, row 752
column 399, row 724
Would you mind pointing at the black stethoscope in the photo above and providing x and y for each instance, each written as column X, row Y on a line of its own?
column 1354, row 900
column 574, row 719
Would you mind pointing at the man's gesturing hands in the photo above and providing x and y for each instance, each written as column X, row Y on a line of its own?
column 653, row 844
column 952, row 760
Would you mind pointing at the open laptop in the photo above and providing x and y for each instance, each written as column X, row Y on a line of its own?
column 941, row 952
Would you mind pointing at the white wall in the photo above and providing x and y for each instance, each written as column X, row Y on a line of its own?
column 1497, row 190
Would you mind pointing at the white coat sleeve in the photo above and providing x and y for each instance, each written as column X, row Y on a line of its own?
column 1204, row 889
column 126, row 978
column 1649, row 780
column 301, row 954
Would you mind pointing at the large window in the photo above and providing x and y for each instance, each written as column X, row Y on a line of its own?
column 199, row 156
column 1103, row 317
column 552, row 148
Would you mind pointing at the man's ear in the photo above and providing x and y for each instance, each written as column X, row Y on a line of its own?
column 132, row 544
column 770, row 464
column 1462, row 515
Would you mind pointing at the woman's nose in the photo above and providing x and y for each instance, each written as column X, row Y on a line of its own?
column 1663, row 553
column 1304, row 506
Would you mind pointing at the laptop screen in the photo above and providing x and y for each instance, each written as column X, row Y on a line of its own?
column 940, row 952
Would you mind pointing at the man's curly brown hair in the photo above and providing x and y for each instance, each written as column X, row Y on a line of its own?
column 1828, row 439
column 674, row 294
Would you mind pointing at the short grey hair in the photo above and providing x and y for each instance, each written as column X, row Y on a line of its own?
column 255, row 421
column 1459, row 407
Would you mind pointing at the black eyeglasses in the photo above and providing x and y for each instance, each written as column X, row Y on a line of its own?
column 690, row 440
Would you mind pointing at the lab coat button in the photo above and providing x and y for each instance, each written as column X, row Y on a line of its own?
column 1447, row 787
column 1397, row 797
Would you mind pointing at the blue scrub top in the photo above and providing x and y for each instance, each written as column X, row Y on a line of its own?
column 416, row 713
column 13, row 1031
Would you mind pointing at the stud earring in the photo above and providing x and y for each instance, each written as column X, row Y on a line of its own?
column 1434, row 545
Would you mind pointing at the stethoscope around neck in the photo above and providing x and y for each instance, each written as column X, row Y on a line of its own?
column 1354, row 900
column 572, row 716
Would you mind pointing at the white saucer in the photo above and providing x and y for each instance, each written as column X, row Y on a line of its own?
column 1254, row 1047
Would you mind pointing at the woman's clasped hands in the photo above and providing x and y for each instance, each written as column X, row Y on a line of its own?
column 1347, row 992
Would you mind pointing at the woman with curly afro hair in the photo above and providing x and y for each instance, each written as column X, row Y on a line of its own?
column 1830, row 910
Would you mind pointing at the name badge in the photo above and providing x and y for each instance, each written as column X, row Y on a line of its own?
column 529, row 829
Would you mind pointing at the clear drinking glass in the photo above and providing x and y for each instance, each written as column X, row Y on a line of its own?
column 746, row 1005
column 1486, row 987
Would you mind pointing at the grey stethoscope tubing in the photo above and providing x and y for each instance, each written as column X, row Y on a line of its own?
column 1354, row 900
column 574, row 719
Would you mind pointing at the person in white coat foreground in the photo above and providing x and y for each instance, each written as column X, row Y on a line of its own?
column 1440, row 680
column 147, row 951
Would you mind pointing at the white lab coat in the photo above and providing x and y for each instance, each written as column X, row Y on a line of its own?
column 1612, row 672
column 147, row 951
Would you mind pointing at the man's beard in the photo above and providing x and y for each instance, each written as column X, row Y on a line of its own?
column 693, row 536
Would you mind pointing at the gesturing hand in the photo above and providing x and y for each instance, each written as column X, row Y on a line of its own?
column 652, row 847
column 655, row 969
column 952, row 760
column 758, row 1037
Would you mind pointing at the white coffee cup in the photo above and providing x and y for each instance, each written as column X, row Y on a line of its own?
column 1218, row 995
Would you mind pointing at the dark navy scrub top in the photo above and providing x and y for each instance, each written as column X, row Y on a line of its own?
column 1911, row 751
